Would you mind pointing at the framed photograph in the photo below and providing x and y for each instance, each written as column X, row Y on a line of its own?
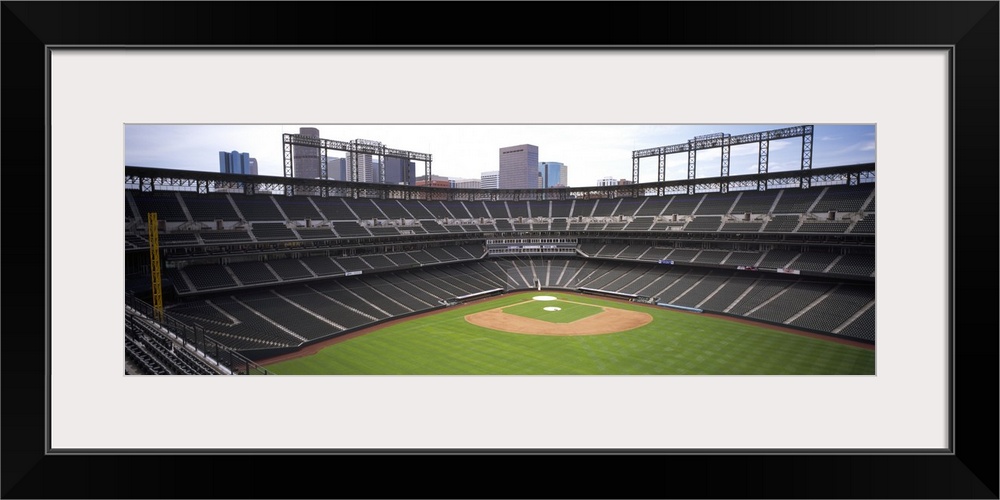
column 928, row 88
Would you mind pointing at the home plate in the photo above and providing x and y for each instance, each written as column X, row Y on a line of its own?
column 544, row 297
column 552, row 308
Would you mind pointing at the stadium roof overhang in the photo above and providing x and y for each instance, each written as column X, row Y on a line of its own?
column 163, row 179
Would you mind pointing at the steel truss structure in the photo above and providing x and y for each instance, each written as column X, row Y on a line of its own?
column 157, row 179
column 354, row 149
column 724, row 142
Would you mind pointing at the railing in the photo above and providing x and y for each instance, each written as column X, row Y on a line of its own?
column 211, row 351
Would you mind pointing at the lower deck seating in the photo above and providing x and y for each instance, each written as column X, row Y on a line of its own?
column 731, row 289
column 794, row 299
column 708, row 284
column 863, row 327
column 292, row 314
column 327, row 307
column 679, row 288
column 836, row 308
column 759, row 293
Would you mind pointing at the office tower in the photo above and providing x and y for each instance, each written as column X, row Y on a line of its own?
column 305, row 159
column 367, row 169
column 490, row 180
column 519, row 167
column 466, row 183
column 234, row 163
column 395, row 173
column 253, row 166
column 336, row 168
column 411, row 173
column 554, row 174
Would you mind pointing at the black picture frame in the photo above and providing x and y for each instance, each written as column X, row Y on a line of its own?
column 969, row 471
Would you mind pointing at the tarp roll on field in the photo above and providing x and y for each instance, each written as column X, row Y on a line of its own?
column 683, row 308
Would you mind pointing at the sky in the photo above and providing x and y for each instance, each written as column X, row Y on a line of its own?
column 590, row 152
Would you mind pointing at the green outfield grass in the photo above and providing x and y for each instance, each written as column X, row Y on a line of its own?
column 674, row 343
column 567, row 313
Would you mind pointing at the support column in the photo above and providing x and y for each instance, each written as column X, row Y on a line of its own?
column 762, row 163
column 381, row 169
column 324, row 171
column 661, row 172
column 287, row 155
column 807, row 144
column 354, row 166
column 323, row 174
column 724, row 166
column 692, row 162
column 286, row 142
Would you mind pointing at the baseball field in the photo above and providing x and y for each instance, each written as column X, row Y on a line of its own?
column 552, row 333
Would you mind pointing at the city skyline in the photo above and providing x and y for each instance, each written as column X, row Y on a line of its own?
column 465, row 151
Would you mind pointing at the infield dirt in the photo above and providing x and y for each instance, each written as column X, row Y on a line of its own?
column 610, row 320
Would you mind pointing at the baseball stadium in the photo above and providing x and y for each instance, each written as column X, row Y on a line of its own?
column 769, row 273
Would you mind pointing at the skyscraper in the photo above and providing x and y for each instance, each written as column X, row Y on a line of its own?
column 396, row 174
column 490, row 180
column 519, row 167
column 305, row 159
column 253, row 166
column 235, row 163
column 336, row 168
column 554, row 174
column 367, row 171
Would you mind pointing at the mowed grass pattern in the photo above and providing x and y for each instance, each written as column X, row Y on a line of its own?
column 675, row 343
column 568, row 311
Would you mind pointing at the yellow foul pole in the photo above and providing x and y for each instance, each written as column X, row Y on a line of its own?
column 153, row 232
